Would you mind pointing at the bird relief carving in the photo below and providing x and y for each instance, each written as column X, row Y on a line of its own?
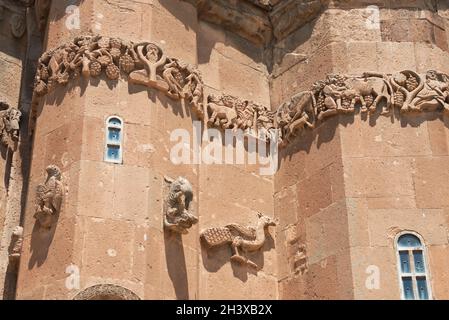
column 240, row 238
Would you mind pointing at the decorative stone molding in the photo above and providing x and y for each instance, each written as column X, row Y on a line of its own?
column 259, row 21
column 142, row 63
column 246, row 239
column 49, row 197
column 106, row 292
column 146, row 64
column 15, row 247
column 226, row 112
column 241, row 17
column 177, row 217
column 406, row 90
column 14, row 15
column 9, row 125
column 288, row 16
column 41, row 11
column 18, row 25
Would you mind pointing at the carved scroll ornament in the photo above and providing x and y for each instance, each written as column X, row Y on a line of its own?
column 240, row 238
column 49, row 197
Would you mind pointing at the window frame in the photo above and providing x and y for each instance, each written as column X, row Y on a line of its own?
column 413, row 274
column 108, row 143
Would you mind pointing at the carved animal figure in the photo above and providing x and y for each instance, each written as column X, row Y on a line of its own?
column 296, row 114
column 49, row 197
column 247, row 239
column 371, row 86
column 9, row 124
column 328, row 95
column 222, row 111
column 15, row 247
column 177, row 217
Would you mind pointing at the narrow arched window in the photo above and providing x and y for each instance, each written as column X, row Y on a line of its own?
column 413, row 270
column 114, row 137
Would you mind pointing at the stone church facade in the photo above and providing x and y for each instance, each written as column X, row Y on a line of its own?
column 109, row 110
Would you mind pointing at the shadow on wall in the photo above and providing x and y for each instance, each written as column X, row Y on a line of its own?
column 216, row 257
column 176, row 264
column 7, row 155
column 326, row 130
column 207, row 43
column 41, row 240
column 56, row 97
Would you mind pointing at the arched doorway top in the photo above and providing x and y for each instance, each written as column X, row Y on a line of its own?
column 106, row 292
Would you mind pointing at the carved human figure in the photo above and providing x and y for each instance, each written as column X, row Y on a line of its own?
column 246, row 239
column 152, row 58
column 177, row 217
column 15, row 247
column 172, row 75
column 49, row 197
column 193, row 90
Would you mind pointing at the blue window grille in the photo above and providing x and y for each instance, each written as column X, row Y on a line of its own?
column 412, row 268
column 114, row 137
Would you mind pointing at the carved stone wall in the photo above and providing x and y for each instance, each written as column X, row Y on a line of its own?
column 346, row 188
column 326, row 80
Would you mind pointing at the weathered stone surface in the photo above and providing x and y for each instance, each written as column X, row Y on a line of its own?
column 347, row 184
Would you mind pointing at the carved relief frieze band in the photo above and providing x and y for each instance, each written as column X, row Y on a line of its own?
column 146, row 64
column 141, row 63
column 369, row 93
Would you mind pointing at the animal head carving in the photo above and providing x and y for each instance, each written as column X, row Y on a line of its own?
column 266, row 220
column 177, row 217
column 12, row 118
column 17, row 231
column 182, row 186
column 53, row 171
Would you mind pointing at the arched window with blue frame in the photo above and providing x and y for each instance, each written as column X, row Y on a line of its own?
column 114, row 137
column 413, row 268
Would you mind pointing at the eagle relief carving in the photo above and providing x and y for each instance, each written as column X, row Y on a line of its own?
column 49, row 197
